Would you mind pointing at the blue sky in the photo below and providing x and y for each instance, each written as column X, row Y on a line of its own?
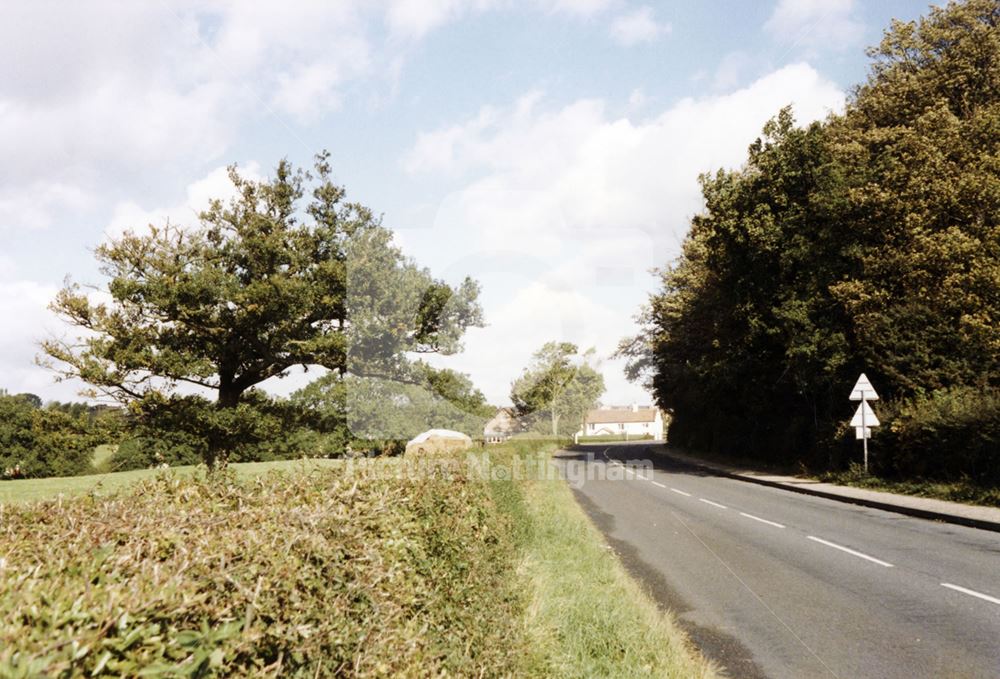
column 549, row 148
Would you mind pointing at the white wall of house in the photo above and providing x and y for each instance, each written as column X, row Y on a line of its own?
column 637, row 429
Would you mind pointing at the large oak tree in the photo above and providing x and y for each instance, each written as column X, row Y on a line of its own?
column 288, row 273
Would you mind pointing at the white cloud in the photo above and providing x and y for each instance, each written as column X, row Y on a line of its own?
column 415, row 18
column 27, row 321
column 731, row 70
column 814, row 25
column 32, row 207
column 130, row 216
column 584, row 8
column 566, row 209
column 638, row 26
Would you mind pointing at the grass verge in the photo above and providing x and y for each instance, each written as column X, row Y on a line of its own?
column 965, row 491
column 954, row 491
column 587, row 617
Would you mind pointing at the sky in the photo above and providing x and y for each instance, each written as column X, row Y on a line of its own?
column 549, row 148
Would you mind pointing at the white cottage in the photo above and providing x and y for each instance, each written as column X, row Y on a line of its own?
column 631, row 421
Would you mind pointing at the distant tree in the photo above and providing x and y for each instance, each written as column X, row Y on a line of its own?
column 31, row 399
column 373, row 409
column 559, row 386
column 265, row 282
column 39, row 442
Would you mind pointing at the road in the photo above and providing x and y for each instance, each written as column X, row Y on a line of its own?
column 771, row 583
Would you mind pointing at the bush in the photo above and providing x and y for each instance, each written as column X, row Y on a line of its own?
column 948, row 434
column 50, row 441
column 185, row 429
column 317, row 573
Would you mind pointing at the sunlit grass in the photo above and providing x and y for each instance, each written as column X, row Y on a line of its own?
column 28, row 490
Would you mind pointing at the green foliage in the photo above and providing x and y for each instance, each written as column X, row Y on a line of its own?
column 369, row 411
column 181, row 430
column 870, row 241
column 343, row 572
column 350, row 570
column 959, row 426
column 556, row 390
column 54, row 440
column 288, row 273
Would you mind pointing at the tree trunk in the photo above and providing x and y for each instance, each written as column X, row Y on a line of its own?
column 219, row 443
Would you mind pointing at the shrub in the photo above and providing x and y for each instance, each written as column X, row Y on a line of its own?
column 949, row 434
column 51, row 441
column 312, row 573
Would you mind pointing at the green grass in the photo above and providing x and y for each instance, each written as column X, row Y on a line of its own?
column 29, row 490
column 954, row 491
column 102, row 454
column 587, row 617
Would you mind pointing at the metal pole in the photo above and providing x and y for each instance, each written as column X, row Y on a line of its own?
column 864, row 428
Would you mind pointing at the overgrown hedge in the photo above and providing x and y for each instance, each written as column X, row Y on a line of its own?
column 315, row 573
column 948, row 434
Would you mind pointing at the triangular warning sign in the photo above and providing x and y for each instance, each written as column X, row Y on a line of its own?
column 863, row 390
column 865, row 416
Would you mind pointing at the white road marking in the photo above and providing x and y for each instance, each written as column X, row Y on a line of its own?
column 757, row 518
column 657, row 483
column 971, row 592
column 681, row 492
column 714, row 504
column 850, row 551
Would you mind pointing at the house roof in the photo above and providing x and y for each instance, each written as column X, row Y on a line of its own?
column 501, row 423
column 624, row 415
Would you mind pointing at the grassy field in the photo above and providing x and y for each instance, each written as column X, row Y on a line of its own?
column 28, row 490
column 102, row 455
column 320, row 569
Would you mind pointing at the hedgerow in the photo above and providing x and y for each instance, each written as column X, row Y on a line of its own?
column 340, row 572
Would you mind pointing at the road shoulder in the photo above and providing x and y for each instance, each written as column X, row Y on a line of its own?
column 985, row 518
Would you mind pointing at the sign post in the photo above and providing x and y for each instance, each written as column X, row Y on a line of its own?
column 864, row 419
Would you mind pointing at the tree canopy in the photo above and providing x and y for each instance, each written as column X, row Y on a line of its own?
column 288, row 273
column 370, row 410
column 869, row 241
column 558, row 387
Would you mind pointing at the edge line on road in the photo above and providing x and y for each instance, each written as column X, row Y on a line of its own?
column 680, row 492
column 971, row 592
column 657, row 483
column 768, row 522
column 858, row 554
column 714, row 504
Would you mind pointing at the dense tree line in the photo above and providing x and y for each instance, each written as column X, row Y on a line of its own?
column 866, row 242
column 54, row 439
